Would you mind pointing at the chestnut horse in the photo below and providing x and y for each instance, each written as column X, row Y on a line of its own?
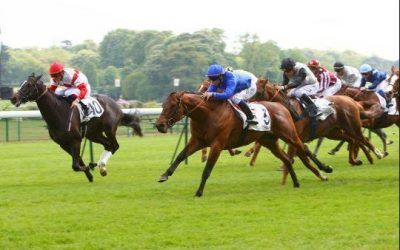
column 203, row 88
column 344, row 125
column 214, row 124
column 65, row 127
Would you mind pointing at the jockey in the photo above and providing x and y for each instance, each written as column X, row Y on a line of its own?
column 347, row 74
column 75, row 83
column 377, row 78
column 329, row 84
column 302, row 83
column 237, row 86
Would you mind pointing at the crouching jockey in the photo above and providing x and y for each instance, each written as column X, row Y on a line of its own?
column 237, row 86
column 329, row 84
column 377, row 78
column 302, row 83
column 75, row 85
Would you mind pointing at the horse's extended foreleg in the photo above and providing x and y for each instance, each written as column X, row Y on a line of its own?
column 74, row 149
column 256, row 149
column 192, row 146
column 320, row 165
column 215, row 151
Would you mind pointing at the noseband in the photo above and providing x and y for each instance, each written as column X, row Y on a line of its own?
column 171, row 121
column 29, row 97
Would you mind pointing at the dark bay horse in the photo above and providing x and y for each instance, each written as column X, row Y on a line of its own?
column 64, row 123
column 344, row 125
column 214, row 124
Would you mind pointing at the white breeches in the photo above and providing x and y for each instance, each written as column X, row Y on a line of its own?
column 310, row 89
column 246, row 93
column 331, row 90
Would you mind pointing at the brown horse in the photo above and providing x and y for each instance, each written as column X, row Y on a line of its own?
column 345, row 124
column 203, row 88
column 369, row 98
column 214, row 124
column 65, row 127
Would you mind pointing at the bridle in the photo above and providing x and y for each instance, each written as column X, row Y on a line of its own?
column 171, row 121
column 28, row 97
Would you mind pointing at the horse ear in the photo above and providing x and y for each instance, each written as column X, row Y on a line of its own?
column 38, row 78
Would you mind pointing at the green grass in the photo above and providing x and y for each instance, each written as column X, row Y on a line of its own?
column 45, row 205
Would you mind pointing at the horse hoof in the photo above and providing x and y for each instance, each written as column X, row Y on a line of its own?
column 356, row 163
column 247, row 154
column 163, row 178
column 237, row 152
column 332, row 152
column 385, row 154
column 328, row 169
column 203, row 159
column 389, row 142
column 103, row 171
column 324, row 178
column 296, row 185
column 198, row 194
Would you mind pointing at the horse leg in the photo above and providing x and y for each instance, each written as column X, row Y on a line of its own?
column 234, row 152
column 215, row 151
column 320, row 165
column 203, row 154
column 273, row 145
column 382, row 135
column 302, row 153
column 250, row 151
column 110, row 145
column 256, row 149
column 192, row 146
column 319, row 143
column 74, row 149
column 337, row 148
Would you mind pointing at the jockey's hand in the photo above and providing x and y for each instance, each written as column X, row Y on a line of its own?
column 206, row 95
column 74, row 103
column 362, row 88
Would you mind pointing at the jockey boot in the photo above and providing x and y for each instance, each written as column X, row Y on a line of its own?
column 250, row 116
column 311, row 109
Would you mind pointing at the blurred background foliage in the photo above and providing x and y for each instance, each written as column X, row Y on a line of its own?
column 147, row 62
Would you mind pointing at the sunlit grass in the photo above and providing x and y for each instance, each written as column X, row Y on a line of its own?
column 45, row 205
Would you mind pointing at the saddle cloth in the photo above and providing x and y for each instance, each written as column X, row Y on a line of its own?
column 392, row 110
column 95, row 109
column 261, row 114
column 324, row 106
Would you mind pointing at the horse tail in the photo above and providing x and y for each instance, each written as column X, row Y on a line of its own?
column 133, row 121
column 375, row 111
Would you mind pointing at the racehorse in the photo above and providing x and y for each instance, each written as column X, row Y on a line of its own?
column 368, row 98
column 214, row 124
column 65, row 127
column 344, row 125
column 203, row 88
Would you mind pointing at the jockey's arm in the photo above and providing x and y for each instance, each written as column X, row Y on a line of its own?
column 297, row 79
column 228, row 92
column 52, row 87
column 83, row 90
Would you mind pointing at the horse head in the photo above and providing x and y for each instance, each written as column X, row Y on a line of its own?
column 173, row 111
column 30, row 90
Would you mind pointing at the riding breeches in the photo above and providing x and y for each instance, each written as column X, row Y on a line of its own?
column 246, row 93
column 310, row 89
column 71, row 91
column 331, row 90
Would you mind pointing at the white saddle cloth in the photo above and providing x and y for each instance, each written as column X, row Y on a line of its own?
column 95, row 109
column 261, row 114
